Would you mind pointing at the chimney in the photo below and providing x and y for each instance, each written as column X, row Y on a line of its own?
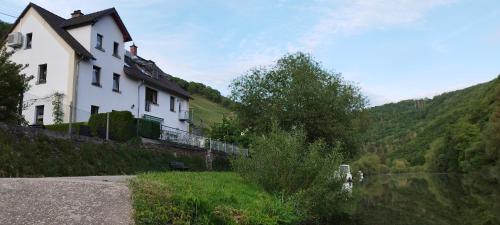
column 76, row 13
column 133, row 50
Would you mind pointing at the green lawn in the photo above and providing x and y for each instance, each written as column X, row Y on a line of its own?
column 206, row 112
column 204, row 198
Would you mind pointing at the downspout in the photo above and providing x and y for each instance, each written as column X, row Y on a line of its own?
column 74, row 99
column 138, row 105
column 139, row 97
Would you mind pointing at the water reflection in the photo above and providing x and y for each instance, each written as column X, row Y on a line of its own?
column 425, row 199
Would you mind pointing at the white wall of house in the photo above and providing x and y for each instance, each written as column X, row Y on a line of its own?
column 82, row 35
column 47, row 48
column 103, row 96
column 162, row 109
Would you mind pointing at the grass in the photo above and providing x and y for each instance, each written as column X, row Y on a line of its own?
column 205, row 198
column 206, row 112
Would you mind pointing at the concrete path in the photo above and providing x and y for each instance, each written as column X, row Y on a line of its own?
column 65, row 200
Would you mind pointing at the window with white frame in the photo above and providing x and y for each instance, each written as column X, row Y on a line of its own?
column 42, row 74
column 96, row 76
column 39, row 111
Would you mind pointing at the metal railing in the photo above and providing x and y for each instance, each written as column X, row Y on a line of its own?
column 178, row 136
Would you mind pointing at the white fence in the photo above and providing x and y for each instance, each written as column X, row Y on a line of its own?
column 175, row 135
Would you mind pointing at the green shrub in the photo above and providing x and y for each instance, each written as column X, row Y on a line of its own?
column 195, row 163
column 285, row 164
column 400, row 166
column 121, row 125
column 370, row 163
column 221, row 163
column 149, row 129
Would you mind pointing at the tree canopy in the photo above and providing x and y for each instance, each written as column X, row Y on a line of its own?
column 4, row 28
column 456, row 131
column 297, row 93
column 12, row 85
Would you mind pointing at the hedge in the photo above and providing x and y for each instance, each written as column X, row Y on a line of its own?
column 121, row 125
column 78, row 128
column 149, row 129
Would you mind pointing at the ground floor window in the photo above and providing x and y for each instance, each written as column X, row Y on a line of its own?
column 39, row 114
column 94, row 110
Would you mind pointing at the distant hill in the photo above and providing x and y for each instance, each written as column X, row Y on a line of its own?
column 455, row 132
column 206, row 112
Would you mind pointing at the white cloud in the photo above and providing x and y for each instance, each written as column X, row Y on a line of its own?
column 359, row 15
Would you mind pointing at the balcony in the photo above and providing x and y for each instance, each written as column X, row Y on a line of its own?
column 185, row 115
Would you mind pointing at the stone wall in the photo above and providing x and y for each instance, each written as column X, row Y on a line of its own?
column 31, row 133
column 186, row 150
column 154, row 145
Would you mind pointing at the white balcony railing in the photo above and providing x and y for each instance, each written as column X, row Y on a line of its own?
column 175, row 135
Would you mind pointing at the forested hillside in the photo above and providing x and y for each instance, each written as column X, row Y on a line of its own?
column 457, row 131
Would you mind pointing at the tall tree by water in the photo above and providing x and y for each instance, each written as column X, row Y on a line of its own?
column 297, row 93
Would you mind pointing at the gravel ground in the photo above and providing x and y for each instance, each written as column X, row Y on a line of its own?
column 65, row 200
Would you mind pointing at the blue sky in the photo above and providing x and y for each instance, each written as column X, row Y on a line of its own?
column 393, row 49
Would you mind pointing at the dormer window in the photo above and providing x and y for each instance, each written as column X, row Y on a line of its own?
column 29, row 38
column 99, row 42
column 116, row 52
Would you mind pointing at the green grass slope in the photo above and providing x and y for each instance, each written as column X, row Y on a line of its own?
column 446, row 133
column 205, row 198
column 206, row 112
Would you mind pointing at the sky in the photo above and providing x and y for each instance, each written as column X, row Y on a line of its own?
column 392, row 49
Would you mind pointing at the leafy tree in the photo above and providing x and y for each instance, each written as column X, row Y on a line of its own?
column 298, row 93
column 4, row 28
column 13, row 83
column 492, row 134
column 229, row 131
column 370, row 163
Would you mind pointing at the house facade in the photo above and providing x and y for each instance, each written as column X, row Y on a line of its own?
column 83, row 59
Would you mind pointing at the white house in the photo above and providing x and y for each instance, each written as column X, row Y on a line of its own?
column 83, row 58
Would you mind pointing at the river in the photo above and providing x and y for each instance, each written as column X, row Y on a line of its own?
column 425, row 199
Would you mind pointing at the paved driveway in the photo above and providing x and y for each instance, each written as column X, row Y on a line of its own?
column 68, row 200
